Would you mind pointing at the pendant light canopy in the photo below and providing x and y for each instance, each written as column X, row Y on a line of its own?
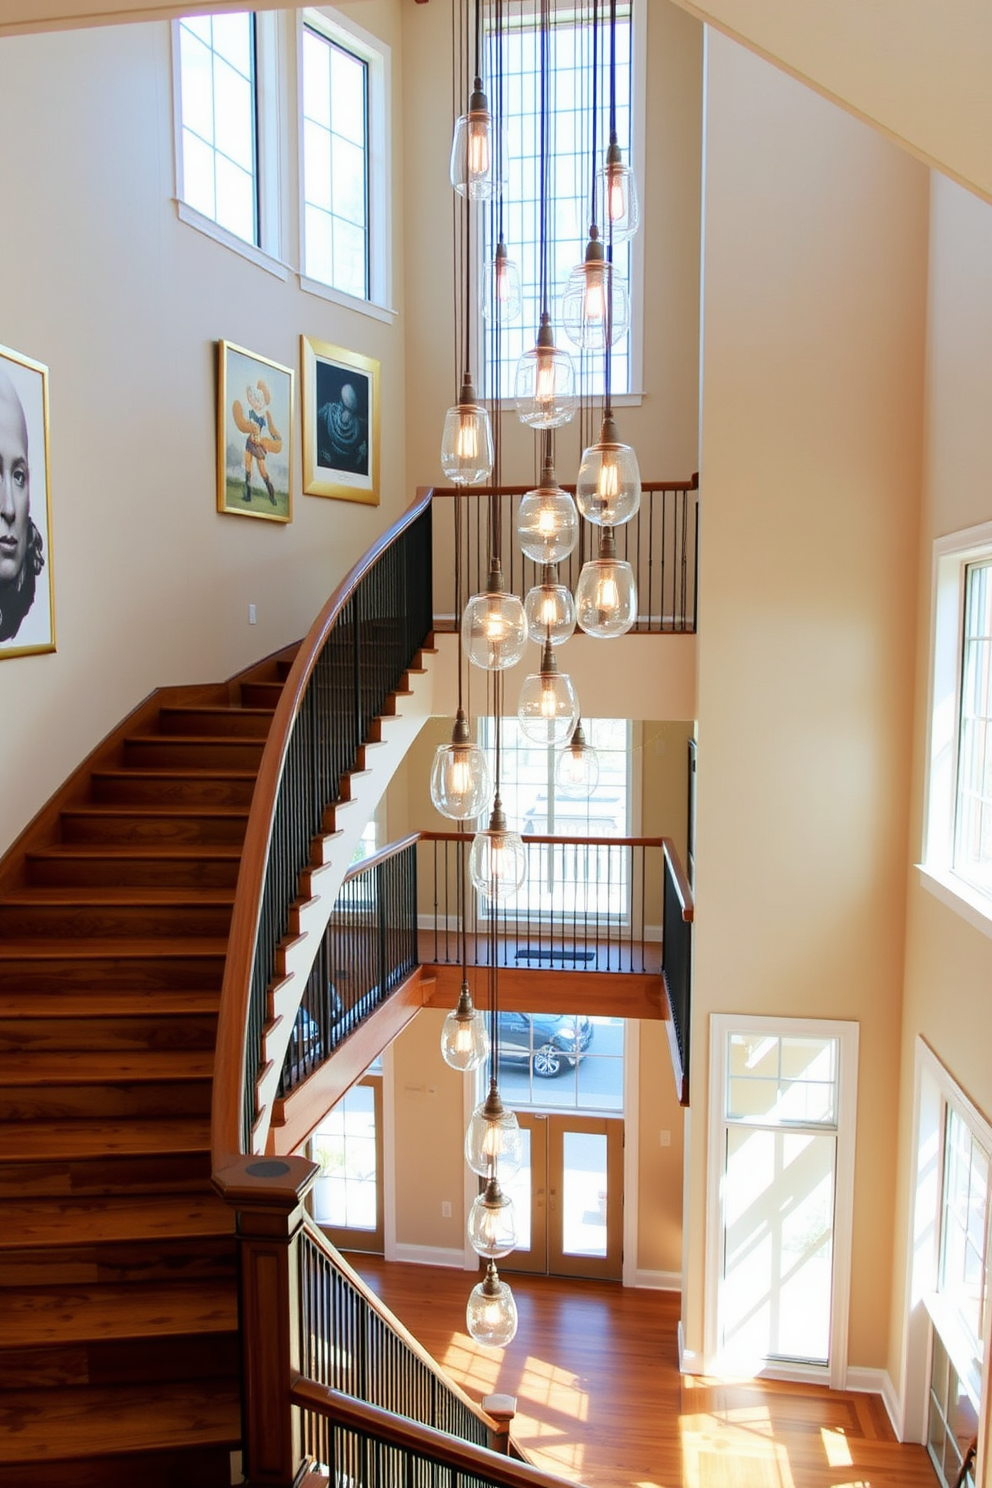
column 491, row 1315
column 464, row 1036
column 547, row 521
column 501, row 295
column 608, row 486
column 548, row 706
column 550, row 610
column 577, row 766
column 595, row 306
column 461, row 785
column 492, row 1223
column 606, row 595
column 494, row 627
column 478, row 166
column 493, row 1138
column 467, row 439
column 497, row 865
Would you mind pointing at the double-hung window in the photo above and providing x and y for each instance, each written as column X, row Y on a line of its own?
column 574, row 154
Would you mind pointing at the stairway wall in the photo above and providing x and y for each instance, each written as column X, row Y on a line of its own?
column 124, row 303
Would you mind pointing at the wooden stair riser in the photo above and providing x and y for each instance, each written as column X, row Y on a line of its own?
column 196, row 1467
column 68, row 869
column 164, row 1173
column 123, row 1033
column 40, row 1317
column 127, row 921
column 87, row 1265
column 120, row 1362
column 159, row 752
column 233, row 723
column 93, row 969
column 67, row 1102
column 260, row 694
column 137, row 827
column 159, row 788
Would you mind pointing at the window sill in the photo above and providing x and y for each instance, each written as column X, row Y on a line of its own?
column 959, row 896
column 347, row 301
column 211, row 229
column 959, row 1347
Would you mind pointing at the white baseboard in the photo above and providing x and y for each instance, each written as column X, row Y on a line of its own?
column 689, row 1361
column 430, row 1255
column 658, row 1281
column 878, row 1382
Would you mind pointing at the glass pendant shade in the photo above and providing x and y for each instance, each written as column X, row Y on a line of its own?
column 606, row 595
column 550, row 611
column 461, row 786
column 577, row 767
column 595, row 303
column 464, row 1036
column 608, row 486
column 493, row 1138
column 492, row 1223
column 491, row 1314
column 501, row 297
column 544, row 385
column 548, row 707
column 547, row 521
column 478, row 168
column 467, row 440
column 497, row 864
column 617, row 188
column 494, row 626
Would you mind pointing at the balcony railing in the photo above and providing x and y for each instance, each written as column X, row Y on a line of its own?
column 660, row 544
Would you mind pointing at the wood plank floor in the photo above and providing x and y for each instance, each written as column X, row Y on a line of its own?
column 600, row 1400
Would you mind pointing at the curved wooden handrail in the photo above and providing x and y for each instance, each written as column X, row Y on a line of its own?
column 397, row 1431
column 380, row 1309
column 391, row 850
column 229, row 1064
column 692, row 484
column 682, row 888
column 563, row 841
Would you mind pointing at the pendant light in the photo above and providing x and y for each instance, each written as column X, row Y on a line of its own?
column 493, row 1137
column 492, row 1223
column 619, row 186
column 548, row 706
column 461, row 785
column 477, row 166
column 497, row 865
column 502, row 299
column 494, row 626
column 577, row 766
column 608, row 486
column 550, row 610
column 592, row 286
column 464, row 1037
column 606, row 595
column 491, row 1315
column 547, row 521
column 467, row 439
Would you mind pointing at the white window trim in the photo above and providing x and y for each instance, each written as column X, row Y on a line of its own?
column 721, row 1026
column 951, row 556
column 376, row 54
column 935, row 1090
column 267, row 253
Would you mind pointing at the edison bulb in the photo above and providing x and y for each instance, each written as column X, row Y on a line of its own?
column 491, row 1314
column 461, row 785
column 618, row 188
column 608, row 485
column 477, row 169
column 577, row 766
column 467, row 440
column 494, row 626
column 493, row 1138
column 544, row 385
column 492, row 1223
column 550, row 611
column 606, row 598
column 548, row 706
column 547, row 522
column 464, row 1036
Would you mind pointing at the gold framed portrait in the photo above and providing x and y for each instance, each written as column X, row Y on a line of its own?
column 254, row 435
column 340, row 423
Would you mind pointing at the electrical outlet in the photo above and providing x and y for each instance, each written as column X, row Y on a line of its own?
column 445, row 1208
column 251, row 614
column 666, row 1139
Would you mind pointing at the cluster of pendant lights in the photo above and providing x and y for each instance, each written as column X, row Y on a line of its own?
column 496, row 624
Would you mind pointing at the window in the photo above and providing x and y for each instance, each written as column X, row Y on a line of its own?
column 344, row 133
column 347, row 1198
column 571, row 147
column 561, row 1061
column 957, row 857
column 219, row 121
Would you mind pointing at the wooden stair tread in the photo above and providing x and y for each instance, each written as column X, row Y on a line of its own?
column 49, row 1425
column 38, row 1141
column 61, row 1222
column 100, row 897
column 34, row 1317
column 167, row 813
column 251, row 710
column 163, row 736
column 171, row 777
column 138, row 852
column 140, row 1003
column 97, row 948
column 96, row 1067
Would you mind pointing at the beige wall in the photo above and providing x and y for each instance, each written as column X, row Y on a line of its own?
column 813, row 332
column 124, row 304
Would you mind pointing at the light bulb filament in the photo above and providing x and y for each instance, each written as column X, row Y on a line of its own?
column 617, row 194
column 467, row 438
column 478, row 147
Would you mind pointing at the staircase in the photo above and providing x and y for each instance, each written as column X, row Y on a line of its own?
column 119, row 1352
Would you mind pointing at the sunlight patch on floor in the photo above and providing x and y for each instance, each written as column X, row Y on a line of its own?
column 836, row 1446
column 733, row 1449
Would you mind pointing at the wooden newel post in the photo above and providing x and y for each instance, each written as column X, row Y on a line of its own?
column 268, row 1194
column 502, row 1409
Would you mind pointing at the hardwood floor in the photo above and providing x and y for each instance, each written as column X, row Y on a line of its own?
column 600, row 1400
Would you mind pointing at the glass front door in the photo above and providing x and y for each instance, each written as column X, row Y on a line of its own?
column 568, row 1196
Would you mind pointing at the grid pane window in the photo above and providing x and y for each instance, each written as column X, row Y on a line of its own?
column 345, row 1147
column 973, row 817
column 335, row 165
column 964, row 1228
column 219, row 120
column 778, row 1080
column 561, row 1062
column 570, row 185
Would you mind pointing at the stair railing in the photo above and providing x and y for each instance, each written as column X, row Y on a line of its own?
column 677, row 966
column 354, row 656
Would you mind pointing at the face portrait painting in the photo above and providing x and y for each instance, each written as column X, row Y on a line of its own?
column 24, row 602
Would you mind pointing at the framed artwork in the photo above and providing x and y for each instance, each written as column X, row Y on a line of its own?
column 340, row 423
column 254, row 435
column 27, row 592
